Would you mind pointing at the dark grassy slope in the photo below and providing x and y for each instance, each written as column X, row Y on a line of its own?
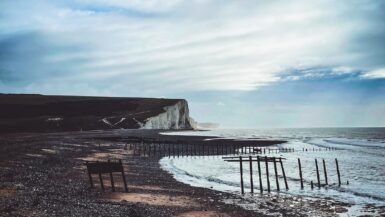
column 40, row 113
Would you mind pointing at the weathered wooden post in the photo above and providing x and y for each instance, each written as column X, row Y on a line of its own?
column 325, row 172
column 112, row 180
column 123, row 176
column 155, row 146
column 90, row 177
column 276, row 173
column 100, row 176
column 318, row 180
column 267, row 174
column 259, row 174
column 283, row 173
column 173, row 150
column 241, row 170
column 312, row 186
column 179, row 149
column 338, row 173
column 300, row 172
column 169, row 150
column 251, row 174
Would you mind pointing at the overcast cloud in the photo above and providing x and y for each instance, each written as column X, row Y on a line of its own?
column 189, row 49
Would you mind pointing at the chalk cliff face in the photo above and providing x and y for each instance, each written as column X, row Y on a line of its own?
column 39, row 113
column 174, row 117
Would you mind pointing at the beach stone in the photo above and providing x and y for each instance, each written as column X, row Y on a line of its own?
column 340, row 209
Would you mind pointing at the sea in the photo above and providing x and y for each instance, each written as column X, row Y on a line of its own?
column 360, row 153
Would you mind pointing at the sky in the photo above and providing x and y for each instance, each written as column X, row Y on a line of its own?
column 241, row 64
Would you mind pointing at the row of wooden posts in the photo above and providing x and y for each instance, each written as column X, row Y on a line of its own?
column 178, row 150
column 266, row 160
column 259, row 161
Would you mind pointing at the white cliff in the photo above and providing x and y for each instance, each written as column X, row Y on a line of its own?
column 174, row 117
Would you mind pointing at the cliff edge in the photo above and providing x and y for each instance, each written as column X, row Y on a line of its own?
column 43, row 113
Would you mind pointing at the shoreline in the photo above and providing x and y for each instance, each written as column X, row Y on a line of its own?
column 45, row 175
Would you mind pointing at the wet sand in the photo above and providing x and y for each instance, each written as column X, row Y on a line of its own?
column 45, row 175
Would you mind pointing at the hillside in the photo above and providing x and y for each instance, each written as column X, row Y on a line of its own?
column 43, row 113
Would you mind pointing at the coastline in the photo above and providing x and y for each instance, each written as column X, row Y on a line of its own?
column 45, row 175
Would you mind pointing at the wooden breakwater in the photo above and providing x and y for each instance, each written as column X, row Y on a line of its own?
column 273, row 161
column 175, row 149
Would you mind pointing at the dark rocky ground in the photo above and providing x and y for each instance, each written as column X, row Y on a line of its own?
column 45, row 175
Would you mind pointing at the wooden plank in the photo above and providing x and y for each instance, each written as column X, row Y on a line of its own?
column 276, row 174
column 325, row 172
column 267, row 174
column 318, row 179
column 241, row 171
column 284, row 175
column 112, row 180
column 260, row 175
column 300, row 172
column 251, row 175
column 338, row 173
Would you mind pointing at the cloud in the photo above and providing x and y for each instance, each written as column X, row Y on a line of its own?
column 120, row 47
column 374, row 74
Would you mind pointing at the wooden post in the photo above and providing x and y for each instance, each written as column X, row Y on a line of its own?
column 241, row 170
column 318, row 180
column 223, row 149
column 325, row 172
column 276, row 173
column 148, row 149
column 283, row 173
column 155, row 149
column 312, row 186
column 100, row 177
column 267, row 174
column 90, row 177
column 112, row 180
column 338, row 173
column 177, row 150
column 169, row 150
column 204, row 147
column 173, row 150
column 123, row 176
column 251, row 175
column 144, row 148
column 300, row 172
column 259, row 174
